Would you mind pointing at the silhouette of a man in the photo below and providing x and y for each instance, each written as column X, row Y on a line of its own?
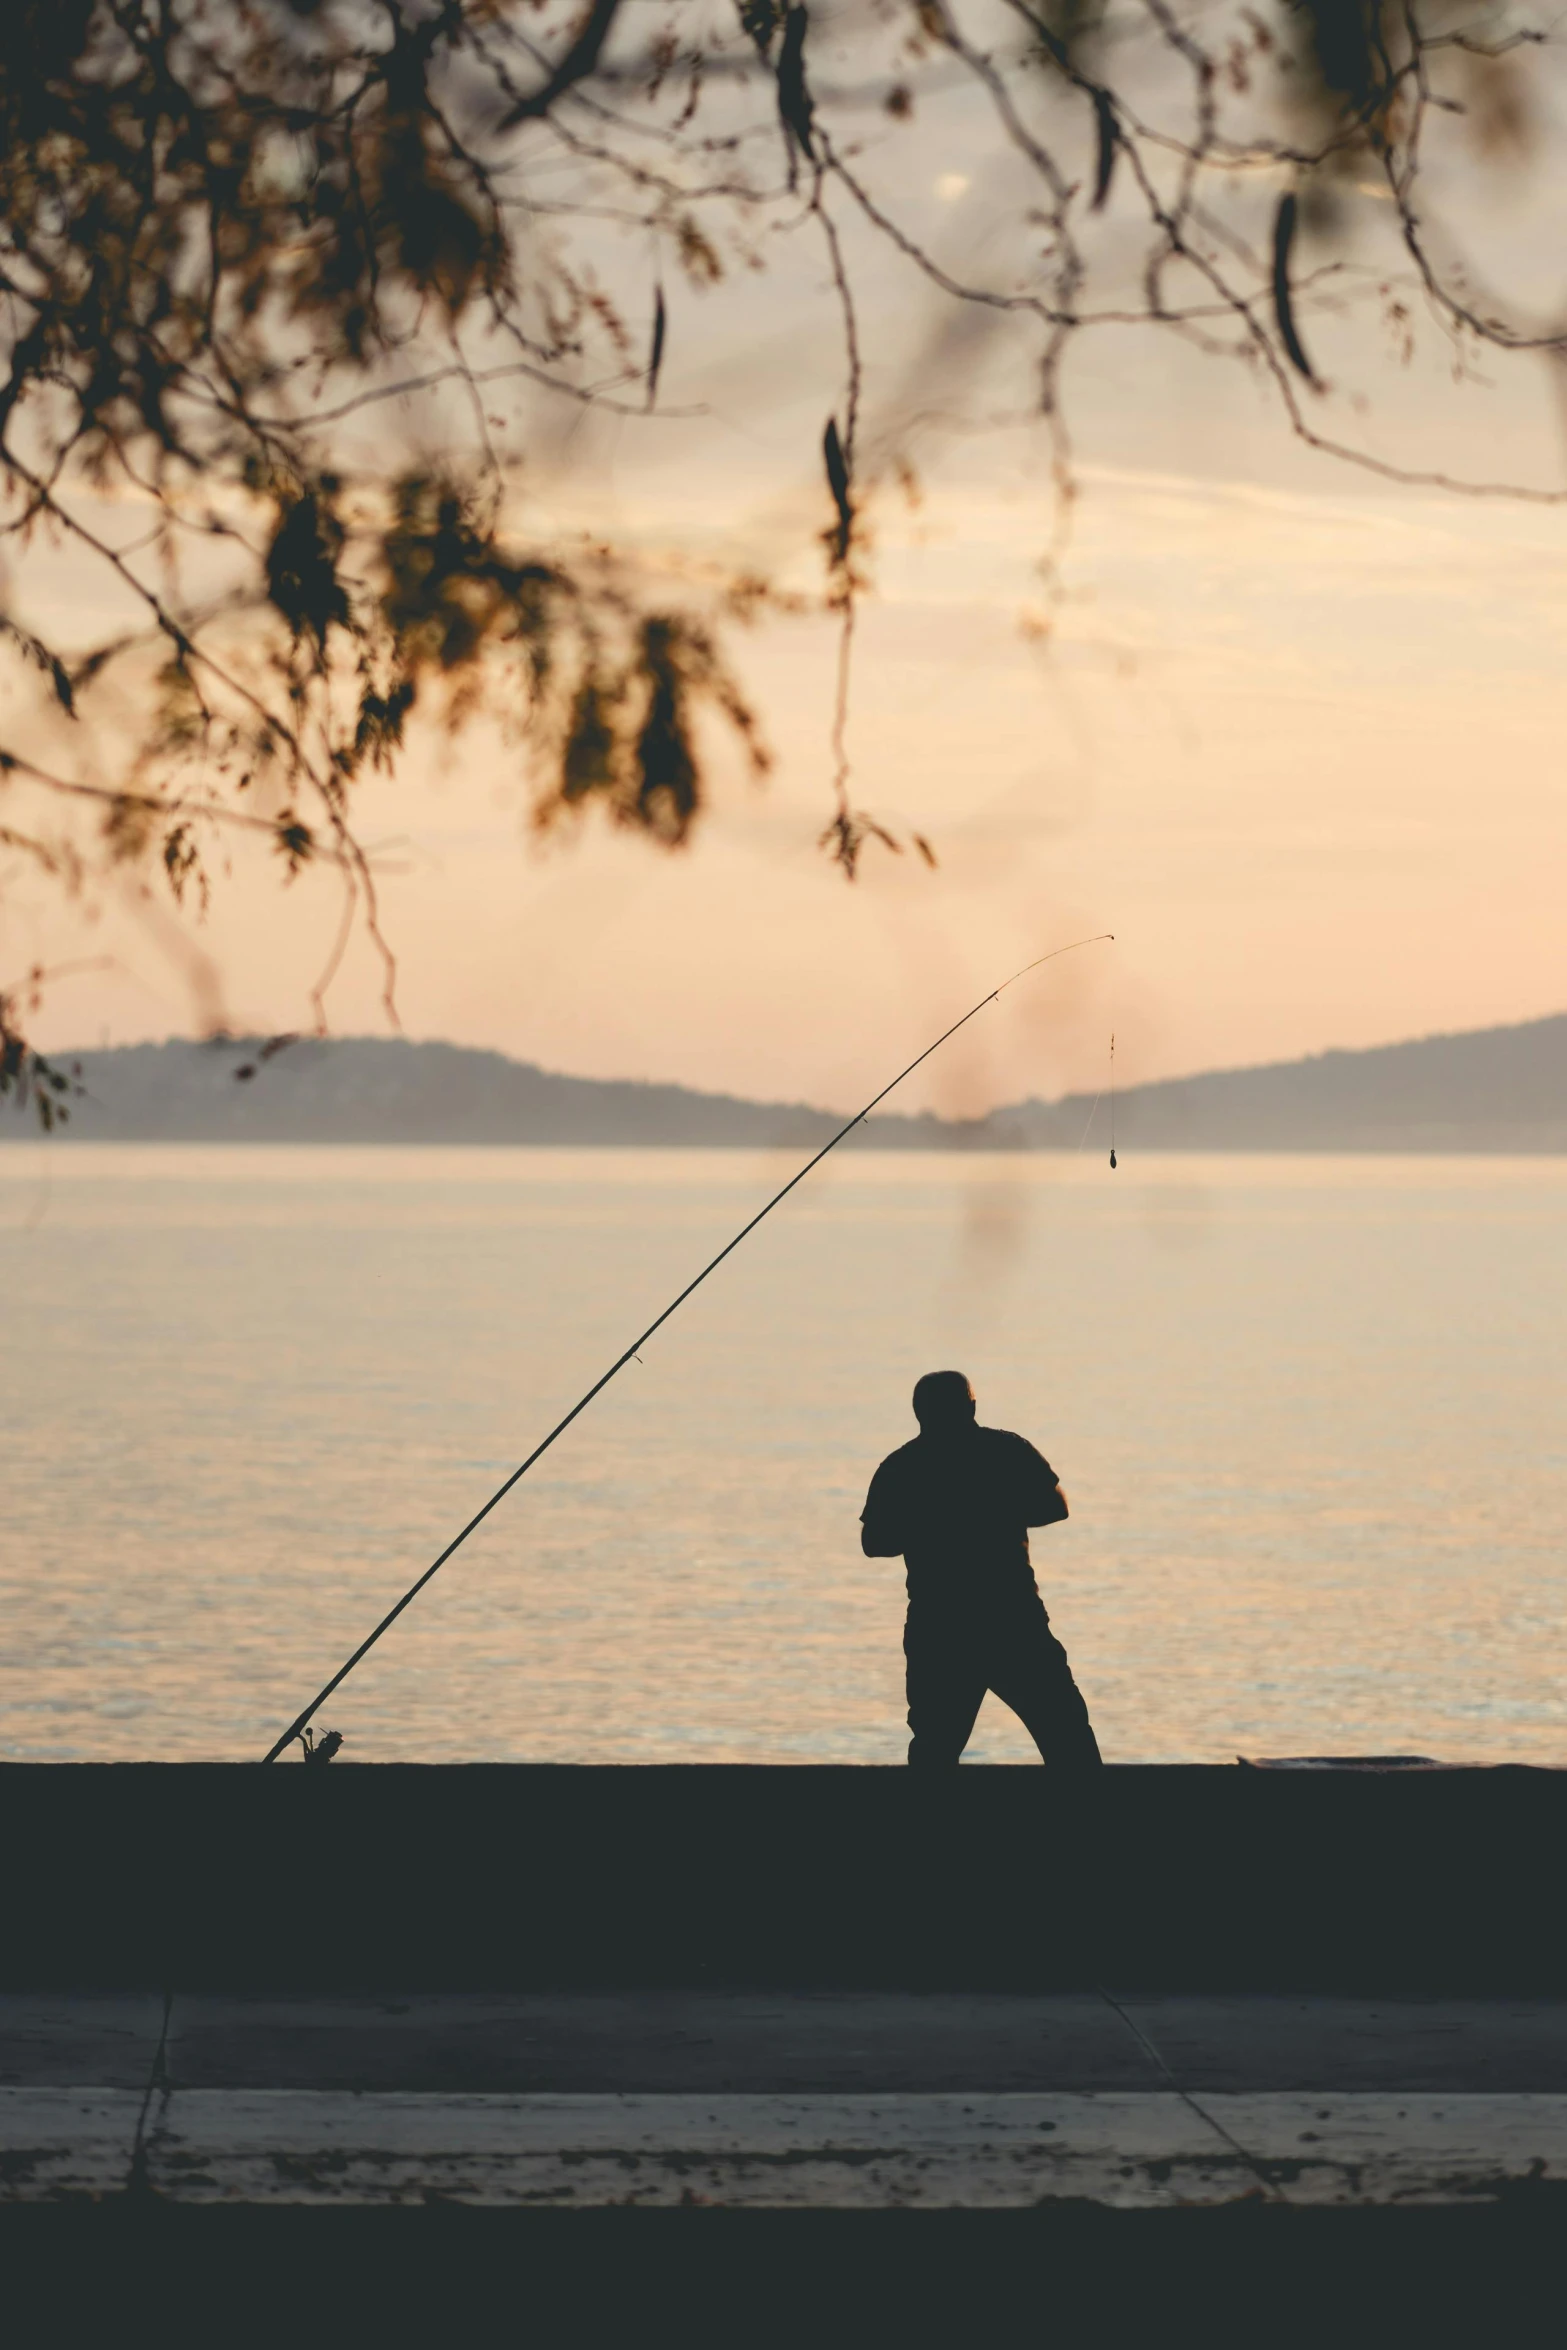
column 957, row 1504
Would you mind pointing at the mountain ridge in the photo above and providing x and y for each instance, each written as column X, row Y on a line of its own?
column 1499, row 1089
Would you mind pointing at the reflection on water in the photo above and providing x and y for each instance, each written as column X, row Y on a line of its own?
column 1308, row 1411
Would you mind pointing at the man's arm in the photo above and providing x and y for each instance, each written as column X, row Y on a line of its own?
column 881, row 1535
column 1046, row 1500
column 880, row 1540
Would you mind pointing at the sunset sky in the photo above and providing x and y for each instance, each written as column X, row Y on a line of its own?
column 1295, row 737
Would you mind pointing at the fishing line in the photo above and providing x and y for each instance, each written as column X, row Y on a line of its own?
column 411, row 1594
column 1112, row 1101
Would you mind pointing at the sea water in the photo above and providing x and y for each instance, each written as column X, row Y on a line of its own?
column 1308, row 1412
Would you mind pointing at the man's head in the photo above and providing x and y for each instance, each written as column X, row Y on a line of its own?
column 943, row 1403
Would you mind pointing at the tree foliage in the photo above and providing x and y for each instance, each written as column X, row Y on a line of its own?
column 232, row 231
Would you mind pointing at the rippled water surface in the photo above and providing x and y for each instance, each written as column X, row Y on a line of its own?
column 1309, row 1413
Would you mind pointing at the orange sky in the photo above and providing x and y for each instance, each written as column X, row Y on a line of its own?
column 1296, row 740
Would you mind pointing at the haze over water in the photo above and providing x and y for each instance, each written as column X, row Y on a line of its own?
column 1307, row 1410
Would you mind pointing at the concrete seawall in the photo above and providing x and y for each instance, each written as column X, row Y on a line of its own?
column 526, row 1877
column 781, row 2054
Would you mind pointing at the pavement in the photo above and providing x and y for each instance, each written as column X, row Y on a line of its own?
column 846, row 2100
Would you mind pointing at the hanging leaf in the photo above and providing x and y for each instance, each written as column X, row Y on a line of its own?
column 655, row 359
column 760, row 18
column 39, row 655
column 1108, row 142
column 302, row 577
column 794, row 99
column 1283, row 305
column 838, row 483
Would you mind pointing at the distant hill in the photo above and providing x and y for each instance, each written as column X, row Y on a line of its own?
column 1491, row 1089
column 385, row 1089
column 1487, row 1089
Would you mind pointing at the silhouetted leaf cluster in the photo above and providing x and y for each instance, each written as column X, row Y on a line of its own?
column 28, row 1078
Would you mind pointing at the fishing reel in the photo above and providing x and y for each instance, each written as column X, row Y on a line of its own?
column 322, row 1749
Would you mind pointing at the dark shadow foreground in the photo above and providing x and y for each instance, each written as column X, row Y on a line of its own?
column 1073, row 2274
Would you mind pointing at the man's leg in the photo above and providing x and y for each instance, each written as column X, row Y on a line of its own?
column 946, row 1686
column 1030, row 1673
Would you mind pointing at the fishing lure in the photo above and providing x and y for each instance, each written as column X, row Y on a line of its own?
column 1112, row 1101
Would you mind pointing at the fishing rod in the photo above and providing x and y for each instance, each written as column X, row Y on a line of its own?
column 300, row 1721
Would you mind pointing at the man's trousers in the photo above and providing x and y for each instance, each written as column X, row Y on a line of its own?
column 953, row 1659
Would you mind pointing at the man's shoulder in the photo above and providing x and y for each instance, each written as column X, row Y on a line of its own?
column 1006, row 1445
column 904, row 1458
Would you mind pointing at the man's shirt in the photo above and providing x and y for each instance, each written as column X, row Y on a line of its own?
column 959, row 1510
